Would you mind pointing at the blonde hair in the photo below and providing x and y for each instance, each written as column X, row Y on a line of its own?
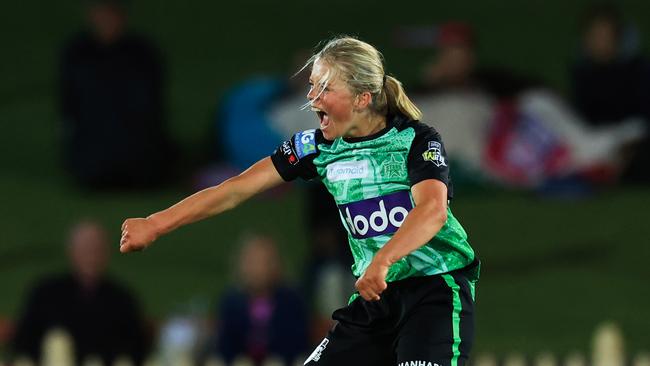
column 361, row 67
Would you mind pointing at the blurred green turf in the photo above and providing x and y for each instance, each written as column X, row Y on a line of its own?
column 552, row 269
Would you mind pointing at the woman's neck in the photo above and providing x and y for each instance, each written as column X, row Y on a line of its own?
column 369, row 127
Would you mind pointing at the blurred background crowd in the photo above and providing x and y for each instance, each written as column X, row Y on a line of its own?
column 117, row 108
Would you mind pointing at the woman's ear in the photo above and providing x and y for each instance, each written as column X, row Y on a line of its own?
column 362, row 100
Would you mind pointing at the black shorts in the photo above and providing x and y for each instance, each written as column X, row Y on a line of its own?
column 422, row 321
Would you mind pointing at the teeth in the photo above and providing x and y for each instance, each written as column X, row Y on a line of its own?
column 315, row 109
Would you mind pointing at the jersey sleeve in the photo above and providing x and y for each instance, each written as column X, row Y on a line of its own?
column 294, row 158
column 427, row 157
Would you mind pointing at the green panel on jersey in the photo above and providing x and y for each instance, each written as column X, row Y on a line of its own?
column 361, row 174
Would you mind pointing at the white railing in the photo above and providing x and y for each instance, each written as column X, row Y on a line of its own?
column 607, row 350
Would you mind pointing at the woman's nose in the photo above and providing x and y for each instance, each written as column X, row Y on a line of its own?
column 311, row 94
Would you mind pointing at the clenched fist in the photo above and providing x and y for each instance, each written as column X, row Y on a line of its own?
column 373, row 281
column 137, row 234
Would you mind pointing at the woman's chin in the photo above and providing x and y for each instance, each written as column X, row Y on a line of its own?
column 327, row 130
column 328, row 133
column 331, row 130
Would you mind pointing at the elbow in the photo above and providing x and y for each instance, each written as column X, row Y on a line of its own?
column 437, row 217
column 442, row 216
column 437, row 220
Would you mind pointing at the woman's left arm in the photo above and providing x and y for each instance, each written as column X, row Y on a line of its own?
column 421, row 224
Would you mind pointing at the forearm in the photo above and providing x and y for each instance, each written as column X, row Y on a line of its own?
column 215, row 200
column 420, row 225
column 139, row 233
column 203, row 204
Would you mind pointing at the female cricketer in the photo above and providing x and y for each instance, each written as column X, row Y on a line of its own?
column 389, row 176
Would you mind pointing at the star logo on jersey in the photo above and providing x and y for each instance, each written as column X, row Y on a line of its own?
column 393, row 167
column 434, row 154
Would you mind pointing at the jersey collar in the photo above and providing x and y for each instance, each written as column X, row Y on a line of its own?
column 391, row 121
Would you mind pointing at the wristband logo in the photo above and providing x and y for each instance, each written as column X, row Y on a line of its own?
column 376, row 216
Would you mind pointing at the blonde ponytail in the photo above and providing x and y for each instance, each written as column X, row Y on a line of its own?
column 397, row 100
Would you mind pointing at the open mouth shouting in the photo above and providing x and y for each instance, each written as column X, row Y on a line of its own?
column 322, row 117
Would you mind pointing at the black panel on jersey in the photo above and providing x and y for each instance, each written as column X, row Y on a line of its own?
column 427, row 158
column 291, row 160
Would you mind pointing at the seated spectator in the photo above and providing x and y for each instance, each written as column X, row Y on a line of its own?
column 611, row 80
column 100, row 315
column 264, row 109
column 261, row 316
column 454, row 67
column 112, row 104
column 512, row 130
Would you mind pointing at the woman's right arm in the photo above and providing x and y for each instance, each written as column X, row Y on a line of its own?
column 138, row 233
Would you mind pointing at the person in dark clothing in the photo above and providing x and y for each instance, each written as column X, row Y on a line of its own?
column 326, row 280
column 99, row 314
column 612, row 83
column 112, row 104
column 262, row 317
column 455, row 67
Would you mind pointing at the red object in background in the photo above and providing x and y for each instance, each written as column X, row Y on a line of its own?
column 521, row 150
column 451, row 33
column 455, row 33
column 6, row 330
column 602, row 174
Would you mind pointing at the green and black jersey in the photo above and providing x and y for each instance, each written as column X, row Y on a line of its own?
column 370, row 179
